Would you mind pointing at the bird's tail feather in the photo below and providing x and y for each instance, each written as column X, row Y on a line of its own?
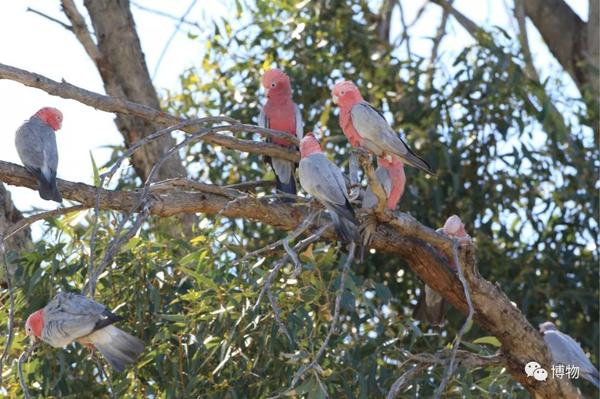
column 346, row 228
column 416, row 161
column 594, row 379
column 118, row 348
column 46, row 186
column 289, row 188
column 48, row 189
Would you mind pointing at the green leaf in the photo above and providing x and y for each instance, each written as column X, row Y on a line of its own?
column 488, row 340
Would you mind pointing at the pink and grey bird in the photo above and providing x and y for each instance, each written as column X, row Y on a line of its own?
column 430, row 305
column 566, row 351
column 365, row 127
column 36, row 144
column 392, row 178
column 281, row 113
column 322, row 179
column 71, row 317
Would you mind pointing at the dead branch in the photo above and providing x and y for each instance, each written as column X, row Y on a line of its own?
column 22, row 360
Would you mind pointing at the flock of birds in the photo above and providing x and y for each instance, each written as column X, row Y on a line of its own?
column 70, row 317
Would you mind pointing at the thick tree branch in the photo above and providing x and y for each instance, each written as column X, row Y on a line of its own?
column 564, row 33
column 403, row 237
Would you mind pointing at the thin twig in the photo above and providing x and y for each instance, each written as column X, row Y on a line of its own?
column 334, row 322
column 22, row 360
column 302, row 227
column 404, row 379
column 11, row 310
column 80, row 29
column 41, row 14
column 104, row 375
column 168, row 43
column 524, row 41
column 405, row 36
column 23, row 223
column 425, row 360
column 277, row 315
column 455, row 345
column 166, row 15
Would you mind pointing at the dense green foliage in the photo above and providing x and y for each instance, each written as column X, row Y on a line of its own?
column 524, row 183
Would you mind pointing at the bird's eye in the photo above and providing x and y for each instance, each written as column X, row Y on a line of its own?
column 273, row 85
column 342, row 92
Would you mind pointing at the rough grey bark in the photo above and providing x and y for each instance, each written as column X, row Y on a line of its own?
column 9, row 215
column 118, row 55
column 566, row 35
column 125, row 74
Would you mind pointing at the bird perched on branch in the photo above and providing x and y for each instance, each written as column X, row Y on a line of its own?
column 281, row 113
column 566, row 351
column 71, row 317
column 430, row 305
column 365, row 127
column 36, row 144
column 322, row 179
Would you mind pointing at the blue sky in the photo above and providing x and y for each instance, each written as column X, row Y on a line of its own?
column 47, row 48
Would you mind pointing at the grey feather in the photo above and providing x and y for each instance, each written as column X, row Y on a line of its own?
column 68, row 317
column 369, row 199
column 118, row 348
column 299, row 123
column 322, row 179
column 36, row 146
column 380, row 138
column 283, row 169
column 565, row 350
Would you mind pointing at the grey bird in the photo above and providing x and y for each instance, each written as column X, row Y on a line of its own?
column 322, row 179
column 72, row 317
column 36, row 144
column 566, row 351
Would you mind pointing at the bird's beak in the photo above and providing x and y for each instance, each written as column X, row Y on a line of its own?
column 267, row 92
column 335, row 99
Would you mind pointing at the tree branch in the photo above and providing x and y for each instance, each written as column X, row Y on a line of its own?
column 402, row 237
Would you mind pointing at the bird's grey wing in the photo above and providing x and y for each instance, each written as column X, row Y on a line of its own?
column 29, row 145
column 370, row 200
column 384, row 179
column 565, row 350
column 70, row 316
column 299, row 122
column 322, row 179
column 370, row 124
column 263, row 121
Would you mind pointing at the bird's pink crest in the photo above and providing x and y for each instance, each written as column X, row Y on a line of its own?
column 276, row 83
column 547, row 326
column 454, row 227
column 35, row 323
column 309, row 145
column 346, row 94
column 51, row 116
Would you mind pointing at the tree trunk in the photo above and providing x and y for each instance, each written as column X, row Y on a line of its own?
column 121, row 63
column 9, row 215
